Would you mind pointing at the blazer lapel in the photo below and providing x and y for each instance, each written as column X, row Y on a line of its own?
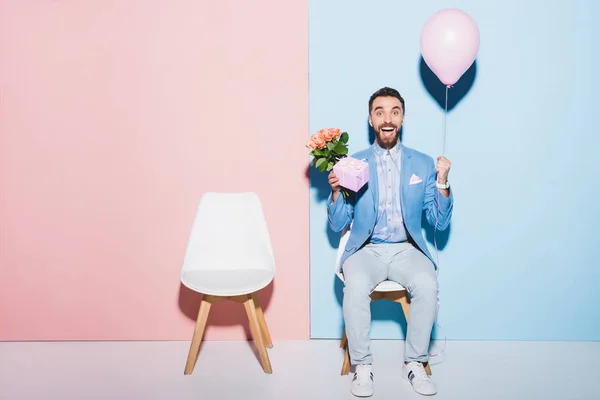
column 373, row 184
column 405, row 173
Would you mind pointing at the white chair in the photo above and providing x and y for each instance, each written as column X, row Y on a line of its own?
column 386, row 290
column 229, row 257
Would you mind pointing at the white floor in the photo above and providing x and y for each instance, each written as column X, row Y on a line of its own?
column 301, row 370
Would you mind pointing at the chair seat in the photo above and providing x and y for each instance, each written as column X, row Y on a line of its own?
column 228, row 282
column 389, row 286
column 385, row 286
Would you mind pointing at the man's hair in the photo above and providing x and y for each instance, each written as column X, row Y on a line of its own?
column 386, row 92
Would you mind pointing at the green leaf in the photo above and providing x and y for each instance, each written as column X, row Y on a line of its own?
column 331, row 145
column 341, row 149
column 329, row 165
column 344, row 137
column 321, row 164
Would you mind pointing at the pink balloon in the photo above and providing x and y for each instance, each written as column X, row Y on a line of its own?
column 449, row 44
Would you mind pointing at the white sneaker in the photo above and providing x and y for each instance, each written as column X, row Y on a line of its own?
column 415, row 374
column 362, row 383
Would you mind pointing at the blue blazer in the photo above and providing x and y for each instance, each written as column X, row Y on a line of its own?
column 360, row 208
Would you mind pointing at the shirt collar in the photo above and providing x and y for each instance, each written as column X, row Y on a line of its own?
column 380, row 151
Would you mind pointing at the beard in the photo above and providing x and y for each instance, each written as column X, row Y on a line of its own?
column 387, row 135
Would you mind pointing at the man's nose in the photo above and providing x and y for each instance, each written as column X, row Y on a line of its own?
column 387, row 118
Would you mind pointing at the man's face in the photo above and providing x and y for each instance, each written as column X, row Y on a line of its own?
column 386, row 118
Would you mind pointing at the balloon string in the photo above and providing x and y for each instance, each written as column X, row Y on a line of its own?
column 437, row 253
column 445, row 122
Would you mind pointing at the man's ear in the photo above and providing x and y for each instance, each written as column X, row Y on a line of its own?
column 370, row 122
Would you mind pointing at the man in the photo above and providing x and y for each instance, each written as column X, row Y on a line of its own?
column 386, row 241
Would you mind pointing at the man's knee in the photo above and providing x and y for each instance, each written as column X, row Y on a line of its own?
column 425, row 285
column 357, row 278
column 357, row 285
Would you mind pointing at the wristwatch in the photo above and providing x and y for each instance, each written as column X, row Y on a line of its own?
column 442, row 186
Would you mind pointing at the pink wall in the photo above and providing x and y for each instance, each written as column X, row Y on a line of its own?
column 115, row 117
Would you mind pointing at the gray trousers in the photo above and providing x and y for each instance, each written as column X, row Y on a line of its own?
column 399, row 262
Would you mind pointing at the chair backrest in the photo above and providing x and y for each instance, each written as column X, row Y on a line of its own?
column 229, row 233
column 340, row 252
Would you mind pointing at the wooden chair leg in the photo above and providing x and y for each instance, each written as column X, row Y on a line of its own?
column 198, row 334
column 256, row 334
column 427, row 368
column 346, row 363
column 262, row 322
column 403, row 300
column 344, row 340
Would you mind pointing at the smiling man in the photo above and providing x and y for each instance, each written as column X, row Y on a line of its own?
column 386, row 241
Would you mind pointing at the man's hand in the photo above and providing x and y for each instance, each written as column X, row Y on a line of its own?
column 334, row 182
column 443, row 168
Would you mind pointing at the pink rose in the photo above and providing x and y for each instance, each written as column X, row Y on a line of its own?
column 319, row 141
column 311, row 144
column 330, row 133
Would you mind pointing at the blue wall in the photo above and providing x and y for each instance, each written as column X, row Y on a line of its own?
column 520, row 261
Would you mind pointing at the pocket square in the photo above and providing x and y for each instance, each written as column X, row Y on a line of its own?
column 415, row 179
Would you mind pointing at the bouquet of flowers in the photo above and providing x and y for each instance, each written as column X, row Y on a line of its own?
column 329, row 148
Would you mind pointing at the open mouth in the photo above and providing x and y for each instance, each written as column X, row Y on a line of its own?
column 388, row 129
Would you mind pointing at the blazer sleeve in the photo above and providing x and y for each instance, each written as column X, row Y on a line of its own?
column 340, row 212
column 438, row 208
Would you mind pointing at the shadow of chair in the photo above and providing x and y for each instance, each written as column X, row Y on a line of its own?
column 229, row 257
column 386, row 290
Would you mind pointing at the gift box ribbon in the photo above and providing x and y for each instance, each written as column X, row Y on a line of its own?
column 351, row 163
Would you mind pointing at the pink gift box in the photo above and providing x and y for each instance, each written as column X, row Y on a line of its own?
column 352, row 173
